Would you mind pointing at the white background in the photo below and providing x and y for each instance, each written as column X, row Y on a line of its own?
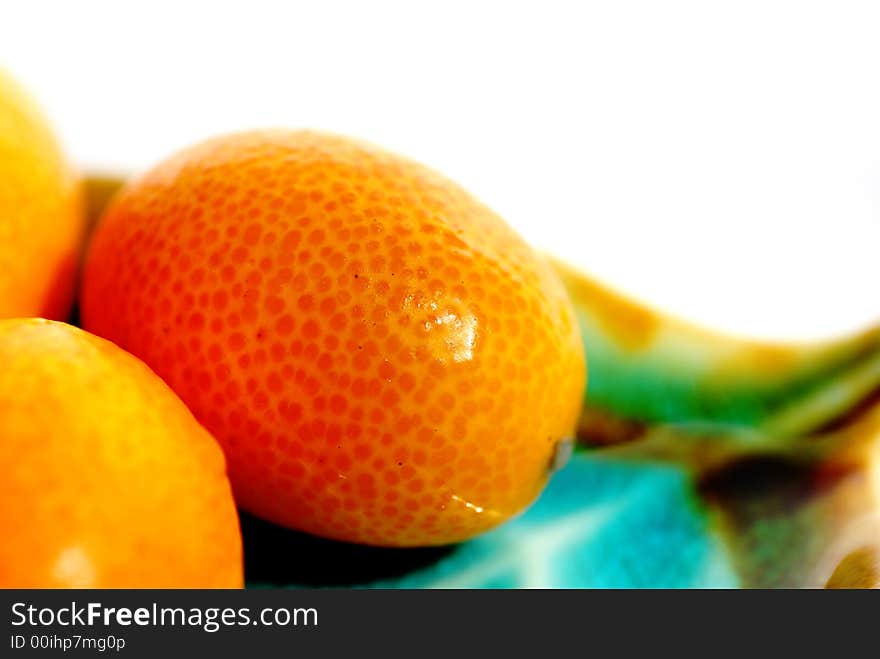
column 719, row 159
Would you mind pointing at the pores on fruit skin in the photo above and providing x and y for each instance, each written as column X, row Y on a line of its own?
column 382, row 358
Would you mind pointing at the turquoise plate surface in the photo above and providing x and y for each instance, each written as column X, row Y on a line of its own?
column 601, row 523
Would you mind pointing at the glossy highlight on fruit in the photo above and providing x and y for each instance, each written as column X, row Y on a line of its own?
column 108, row 480
column 382, row 358
column 41, row 212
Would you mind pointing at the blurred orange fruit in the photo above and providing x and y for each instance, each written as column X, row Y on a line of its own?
column 106, row 478
column 382, row 358
column 41, row 213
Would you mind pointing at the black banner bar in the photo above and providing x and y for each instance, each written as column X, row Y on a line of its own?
column 411, row 623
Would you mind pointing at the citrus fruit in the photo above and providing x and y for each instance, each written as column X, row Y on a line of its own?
column 41, row 215
column 106, row 478
column 382, row 358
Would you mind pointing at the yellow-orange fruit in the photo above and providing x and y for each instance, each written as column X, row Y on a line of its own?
column 106, row 479
column 382, row 358
column 41, row 213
